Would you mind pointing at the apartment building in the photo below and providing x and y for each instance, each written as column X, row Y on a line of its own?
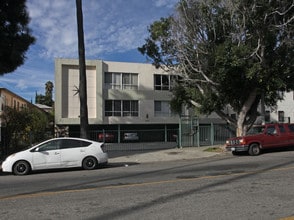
column 122, row 97
column 130, row 97
column 284, row 110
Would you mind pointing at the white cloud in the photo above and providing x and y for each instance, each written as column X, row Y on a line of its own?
column 165, row 3
column 110, row 27
column 118, row 25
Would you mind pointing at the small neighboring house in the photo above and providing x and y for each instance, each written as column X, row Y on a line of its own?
column 12, row 100
column 46, row 108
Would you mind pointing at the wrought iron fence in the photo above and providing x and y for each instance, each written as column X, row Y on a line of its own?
column 152, row 139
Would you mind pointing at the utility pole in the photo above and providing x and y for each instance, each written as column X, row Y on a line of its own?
column 84, row 124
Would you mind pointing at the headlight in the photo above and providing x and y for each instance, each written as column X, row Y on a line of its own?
column 242, row 141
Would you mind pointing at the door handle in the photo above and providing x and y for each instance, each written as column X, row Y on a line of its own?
column 56, row 153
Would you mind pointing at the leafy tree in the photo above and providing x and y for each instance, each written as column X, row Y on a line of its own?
column 229, row 53
column 15, row 36
column 22, row 127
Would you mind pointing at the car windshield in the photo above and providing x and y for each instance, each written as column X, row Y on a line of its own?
column 256, row 130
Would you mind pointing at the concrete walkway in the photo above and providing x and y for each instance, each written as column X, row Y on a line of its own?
column 186, row 153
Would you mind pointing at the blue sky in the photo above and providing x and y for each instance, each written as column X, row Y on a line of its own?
column 113, row 30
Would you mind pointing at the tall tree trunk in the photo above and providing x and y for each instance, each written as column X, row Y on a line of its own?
column 83, row 81
column 241, row 125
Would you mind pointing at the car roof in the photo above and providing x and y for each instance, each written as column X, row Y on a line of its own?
column 71, row 138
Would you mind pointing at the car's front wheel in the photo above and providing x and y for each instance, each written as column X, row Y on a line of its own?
column 254, row 150
column 89, row 163
column 21, row 168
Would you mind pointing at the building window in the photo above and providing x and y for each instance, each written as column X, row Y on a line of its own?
column 162, row 109
column 161, row 82
column 130, row 108
column 281, row 94
column 267, row 116
column 164, row 82
column 130, row 81
column 121, row 81
column 281, row 116
column 121, row 108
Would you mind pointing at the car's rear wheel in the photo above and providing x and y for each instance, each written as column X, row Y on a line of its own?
column 89, row 163
column 254, row 149
column 21, row 168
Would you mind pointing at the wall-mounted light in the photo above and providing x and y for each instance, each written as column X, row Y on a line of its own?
column 147, row 117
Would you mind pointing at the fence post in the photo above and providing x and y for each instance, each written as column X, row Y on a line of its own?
column 211, row 133
column 31, row 138
column 180, row 133
column 118, row 133
column 165, row 133
column 198, row 133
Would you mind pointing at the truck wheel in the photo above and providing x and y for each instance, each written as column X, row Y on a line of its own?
column 254, row 150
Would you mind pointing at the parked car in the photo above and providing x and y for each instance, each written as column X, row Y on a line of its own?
column 261, row 137
column 57, row 153
column 131, row 136
column 106, row 137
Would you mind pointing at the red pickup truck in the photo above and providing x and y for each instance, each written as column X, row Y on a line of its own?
column 262, row 137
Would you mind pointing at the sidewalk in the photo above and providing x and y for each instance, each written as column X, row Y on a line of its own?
column 186, row 153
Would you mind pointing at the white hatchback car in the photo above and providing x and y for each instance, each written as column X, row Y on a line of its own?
column 57, row 153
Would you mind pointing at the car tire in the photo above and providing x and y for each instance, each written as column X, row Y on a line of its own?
column 21, row 168
column 89, row 163
column 254, row 150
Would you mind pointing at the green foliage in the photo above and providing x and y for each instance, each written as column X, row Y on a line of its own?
column 159, row 46
column 47, row 98
column 23, row 127
column 15, row 37
column 229, row 53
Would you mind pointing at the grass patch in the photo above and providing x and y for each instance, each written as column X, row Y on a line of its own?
column 214, row 149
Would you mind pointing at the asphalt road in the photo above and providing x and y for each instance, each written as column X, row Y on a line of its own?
column 219, row 187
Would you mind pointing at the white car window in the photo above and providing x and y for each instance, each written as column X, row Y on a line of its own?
column 68, row 143
column 51, row 145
